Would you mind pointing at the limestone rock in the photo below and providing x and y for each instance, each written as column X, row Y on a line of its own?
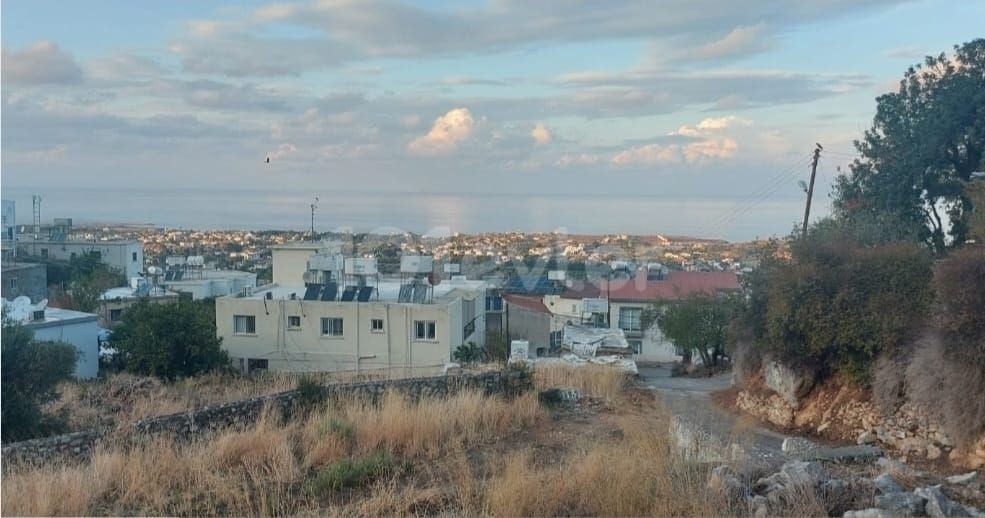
column 886, row 484
column 938, row 504
column 725, row 480
column 790, row 384
column 901, row 504
column 963, row 479
column 796, row 445
column 867, row 437
column 872, row 512
column 933, row 452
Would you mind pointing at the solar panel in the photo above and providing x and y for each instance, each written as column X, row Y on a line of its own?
column 329, row 291
column 406, row 293
column 169, row 275
column 420, row 294
column 179, row 274
column 311, row 292
column 349, row 294
column 364, row 294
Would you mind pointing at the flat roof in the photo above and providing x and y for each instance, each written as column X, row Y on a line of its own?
column 115, row 242
column 9, row 267
column 127, row 292
column 386, row 291
column 208, row 275
column 57, row 316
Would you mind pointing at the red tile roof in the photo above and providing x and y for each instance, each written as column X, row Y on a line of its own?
column 530, row 302
column 675, row 286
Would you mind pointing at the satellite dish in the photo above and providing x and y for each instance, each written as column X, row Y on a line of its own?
column 434, row 279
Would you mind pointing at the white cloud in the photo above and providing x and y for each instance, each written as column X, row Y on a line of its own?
column 720, row 123
column 282, row 151
column 577, row 159
column 740, row 41
column 690, row 153
column 541, row 135
column 446, row 133
column 41, row 63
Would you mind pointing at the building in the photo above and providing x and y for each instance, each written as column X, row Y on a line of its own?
column 189, row 275
column 62, row 325
column 8, row 243
column 615, row 303
column 115, row 301
column 126, row 256
column 324, row 313
column 24, row 279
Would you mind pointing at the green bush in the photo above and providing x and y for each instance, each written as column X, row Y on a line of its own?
column 468, row 353
column 352, row 473
column 311, row 393
column 31, row 371
column 169, row 340
column 836, row 305
column 960, row 284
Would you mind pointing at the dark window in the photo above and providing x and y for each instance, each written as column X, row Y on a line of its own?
column 424, row 330
column 13, row 282
column 376, row 325
column 134, row 255
column 294, row 322
column 44, row 252
column 115, row 315
column 244, row 324
column 331, row 327
column 254, row 364
column 637, row 346
column 629, row 319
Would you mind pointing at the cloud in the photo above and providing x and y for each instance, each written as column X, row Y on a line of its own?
column 577, row 159
column 541, row 135
column 720, row 123
column 740, row 41
column 910, row 53
column 446, row 133
column 692, row 153
column 282, row 151
column 41, row 63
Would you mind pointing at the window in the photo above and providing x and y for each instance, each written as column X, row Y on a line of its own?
column 44, row 252
column 574, row 309
column 134, row 256
column 255, row 364
column 629, row 319
column 424, row 330
column 244, row 324
column 376, row 325
column 331, row 327
column 293, row 322
column 13, row 283
column 637, row 346
column 115, row 315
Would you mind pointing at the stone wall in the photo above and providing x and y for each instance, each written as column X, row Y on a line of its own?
column 242, row 413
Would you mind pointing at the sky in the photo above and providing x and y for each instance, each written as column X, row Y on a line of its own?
column 578, row 114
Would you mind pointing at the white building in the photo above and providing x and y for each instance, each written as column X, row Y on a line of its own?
column 189, row 275
column 8, row 245
column 329, row 324
column 62, row 325
column 125, row 256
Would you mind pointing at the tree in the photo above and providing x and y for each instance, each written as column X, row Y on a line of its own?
column 696, row 324
column 926, row 140
column 468, row 353
column 169, row 340
column 31, row 371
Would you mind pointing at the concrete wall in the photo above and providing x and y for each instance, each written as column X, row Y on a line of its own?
column 305, row 349
column 529, row 325
column 655, row 347
column 208, row 419
column 125, row 256
column 82, row 333
column 289, row 264
column 24, row 279
column 107, row 308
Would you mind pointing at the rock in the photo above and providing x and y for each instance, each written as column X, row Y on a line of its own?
column 914, row 446
column 555, row 395
column 901, row 504
column 938, row 504
column 933, row 452
column 797, row 445
column 886, row 484
column 796, row 473
column 790, row 384
column 962, row 479
column 867, row 437
column 835, row 490
column 724, row 479
column 887, row 465
column 871, row 512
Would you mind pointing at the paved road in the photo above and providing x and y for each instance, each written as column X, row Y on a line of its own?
column 689, row 399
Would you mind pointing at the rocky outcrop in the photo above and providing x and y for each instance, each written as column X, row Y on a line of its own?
column 789, row 383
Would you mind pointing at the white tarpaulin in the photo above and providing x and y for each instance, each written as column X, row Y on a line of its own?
column 618, row 362
column 585, row 341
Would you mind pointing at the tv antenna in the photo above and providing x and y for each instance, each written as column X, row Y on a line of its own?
column 314, row 205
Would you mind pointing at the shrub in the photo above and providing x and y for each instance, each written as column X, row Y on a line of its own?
column 468, row 353
column 169, row 340
column 351, row 473
column 311, row 393
column 960, row 284
column 31, row 371
column 837, row 305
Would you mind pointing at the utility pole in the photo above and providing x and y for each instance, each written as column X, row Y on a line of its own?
column 313, row 207
column 810, row 188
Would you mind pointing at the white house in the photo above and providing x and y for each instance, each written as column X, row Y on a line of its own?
column 62, row 325
column 127, row 256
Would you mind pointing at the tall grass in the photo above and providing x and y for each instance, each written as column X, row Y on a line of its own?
column 596, row 381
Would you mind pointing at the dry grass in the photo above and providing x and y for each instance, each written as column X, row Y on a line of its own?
column 596, row 381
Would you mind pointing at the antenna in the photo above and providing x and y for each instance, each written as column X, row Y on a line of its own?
column 36, row 200
column 314, row 206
